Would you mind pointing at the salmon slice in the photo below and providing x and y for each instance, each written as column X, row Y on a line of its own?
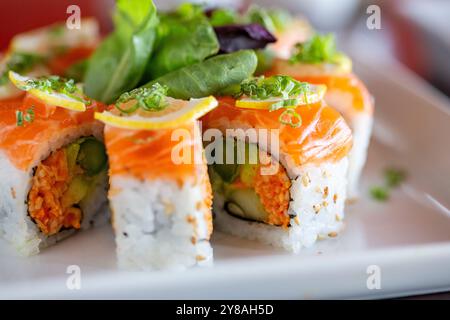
column 347, row 84
column 153, row 154
column 323, row 136
column 22, row 143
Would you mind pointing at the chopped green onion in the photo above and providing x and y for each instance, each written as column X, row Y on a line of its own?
column 394, row 177
column 290, row 117
column 28, row 117
column 147, row 98
column 288, row 103
column 57, row 84
column 379, row 193
column 19, row 118
column 262, row 88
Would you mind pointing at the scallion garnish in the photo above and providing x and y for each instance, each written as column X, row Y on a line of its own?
column 290, row 117
column 22, row 117
column 379, row 193
column 392, row 178
column 148, row 99
column 284, row 87
column 56, row 84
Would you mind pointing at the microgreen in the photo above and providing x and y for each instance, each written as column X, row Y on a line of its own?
column 318, row 49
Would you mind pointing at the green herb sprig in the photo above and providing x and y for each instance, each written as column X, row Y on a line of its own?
column 318, row 49
column 285, row 87
column 147, row 98
column 392, row 178
column 22, row 117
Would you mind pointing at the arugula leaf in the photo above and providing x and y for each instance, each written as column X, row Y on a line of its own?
column 209, row 76
column 119, row 62
column 186, row 43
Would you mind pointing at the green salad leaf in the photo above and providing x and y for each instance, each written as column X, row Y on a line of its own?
column 119, row 62
column 223, row 16
column 186, row 42
column 210, row 76
column 77, row 70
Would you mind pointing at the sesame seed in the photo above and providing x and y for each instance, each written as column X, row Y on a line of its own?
column 333, row 234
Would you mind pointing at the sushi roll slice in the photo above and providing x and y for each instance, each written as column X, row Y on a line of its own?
column 345, row 92
column 302, row 198
column 53, row 169
column 161, row 205
column 53, row 49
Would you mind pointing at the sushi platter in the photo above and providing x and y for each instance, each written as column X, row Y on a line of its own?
column 99, row 199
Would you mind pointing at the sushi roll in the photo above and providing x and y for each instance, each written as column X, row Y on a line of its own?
column 317, row 62
column 53, row 49
column 53, row 168
column 302, row 198
column 161, row 205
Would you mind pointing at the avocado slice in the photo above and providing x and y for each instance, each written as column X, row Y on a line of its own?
column 92, row 156
column 71, row 155
column 76, row 191
column 245, row 203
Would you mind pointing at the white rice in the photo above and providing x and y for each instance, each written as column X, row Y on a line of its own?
column 160, row 224
column 318, row 196
column 16, row 226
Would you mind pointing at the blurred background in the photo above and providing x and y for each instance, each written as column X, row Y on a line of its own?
column 414, row 32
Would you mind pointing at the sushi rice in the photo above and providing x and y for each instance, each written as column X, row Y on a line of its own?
column 16, row 226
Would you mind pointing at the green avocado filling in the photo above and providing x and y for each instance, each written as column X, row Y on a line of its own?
column 235, row 182
column 89, row 154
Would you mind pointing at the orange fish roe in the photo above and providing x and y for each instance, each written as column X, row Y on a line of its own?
column 273, row 192
column 50, row 182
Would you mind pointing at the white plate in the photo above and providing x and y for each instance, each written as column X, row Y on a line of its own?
column 407, row 238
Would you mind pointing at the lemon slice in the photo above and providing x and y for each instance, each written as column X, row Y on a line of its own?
column 315, row 95
column 51, row 98
column 177, row 113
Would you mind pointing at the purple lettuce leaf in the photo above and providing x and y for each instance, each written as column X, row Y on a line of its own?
column 243, row 36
